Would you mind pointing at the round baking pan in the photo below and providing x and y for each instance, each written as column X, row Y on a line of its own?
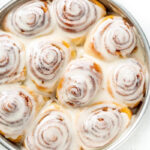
column 111, row 6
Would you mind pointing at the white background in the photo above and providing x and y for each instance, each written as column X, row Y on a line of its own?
column 140, row 140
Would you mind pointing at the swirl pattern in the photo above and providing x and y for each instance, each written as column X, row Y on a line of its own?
column 46, row 59
column 112, row 37
column 12, row 65
column 101, row 123
column 80, row 83
column 127, row 82
column 50, row 132
column 33, row 18
column 77, row 15
column 17, row 108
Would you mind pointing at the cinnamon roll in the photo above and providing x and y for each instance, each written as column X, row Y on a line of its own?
column 12, row 64
column 100, row 124
column 17, row 109
column 127, row 82
column 52, row 130
column 75, row 17
column 80, row 83
column 30, row 19
column 112, row 37
column 46, row 59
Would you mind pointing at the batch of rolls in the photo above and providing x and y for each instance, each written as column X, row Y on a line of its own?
column 61, row 110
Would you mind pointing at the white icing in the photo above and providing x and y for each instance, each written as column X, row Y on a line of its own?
column 112, row 36
column 17, row 109
column 81, row 83
column 51, row 131
column 76, row 17
column 100, row 124
column 46, row 59
column 31, row 19
column 102, row 95
column 127, row 82
column 12, row 61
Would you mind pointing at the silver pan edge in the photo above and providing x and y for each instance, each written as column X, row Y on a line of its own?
column 111, row 6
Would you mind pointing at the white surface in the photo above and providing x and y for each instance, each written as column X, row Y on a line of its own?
column 140, row 140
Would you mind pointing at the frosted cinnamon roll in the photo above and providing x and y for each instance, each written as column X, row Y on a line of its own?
column 51, row 131
column 46, row 59
column 75, row 17
column 80, row 83
column 100, row 124
column 30, row 19
column 112, row 37
column 127, row 82
column 17, row 110
column 12, row 64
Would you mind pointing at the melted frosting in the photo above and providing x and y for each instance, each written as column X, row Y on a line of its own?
column 113, row 37
column 127, row 82
column 17, row 108
column 12, row 64
column 80, row 84
column 83, row 83
column 75, row 16
column 31, row 19
column 52, row 131
column 46, row 59
column 100, row 124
